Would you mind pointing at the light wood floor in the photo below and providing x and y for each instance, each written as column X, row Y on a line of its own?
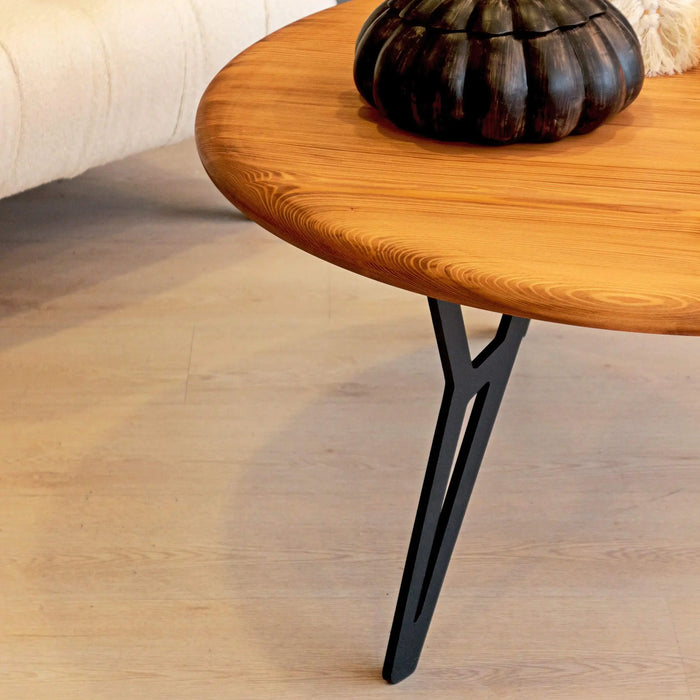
column 211, row 447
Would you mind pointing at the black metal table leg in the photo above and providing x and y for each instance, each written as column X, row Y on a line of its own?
column 442, row 505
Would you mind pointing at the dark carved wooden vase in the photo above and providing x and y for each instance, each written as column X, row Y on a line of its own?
column 498, row 71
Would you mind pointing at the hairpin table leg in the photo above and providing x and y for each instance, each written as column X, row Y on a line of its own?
column 442, row 505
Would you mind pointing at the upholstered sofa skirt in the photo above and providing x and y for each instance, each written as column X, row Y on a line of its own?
column 84, row 82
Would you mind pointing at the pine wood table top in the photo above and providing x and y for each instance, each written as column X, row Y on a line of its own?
column 601, row 230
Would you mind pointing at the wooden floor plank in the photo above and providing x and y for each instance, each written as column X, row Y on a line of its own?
column 211, row 447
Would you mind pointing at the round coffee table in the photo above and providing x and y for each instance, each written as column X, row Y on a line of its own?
column 601, row 230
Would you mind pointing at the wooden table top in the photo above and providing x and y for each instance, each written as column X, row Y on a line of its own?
column 600, row 230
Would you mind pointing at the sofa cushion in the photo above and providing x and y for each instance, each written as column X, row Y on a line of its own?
column 84, row 82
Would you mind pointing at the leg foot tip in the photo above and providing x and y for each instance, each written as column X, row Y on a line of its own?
column 396, row 673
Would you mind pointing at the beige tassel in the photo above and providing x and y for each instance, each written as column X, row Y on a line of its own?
column 668, row 30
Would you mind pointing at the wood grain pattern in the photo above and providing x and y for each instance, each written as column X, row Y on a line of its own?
column 600, row 230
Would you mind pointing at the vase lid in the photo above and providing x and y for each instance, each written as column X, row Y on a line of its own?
column 497, row 17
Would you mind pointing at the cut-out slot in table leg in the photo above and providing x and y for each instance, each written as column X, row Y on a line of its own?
column 448, row 481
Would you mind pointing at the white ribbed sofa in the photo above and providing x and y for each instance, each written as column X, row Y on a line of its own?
column 84, row 82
